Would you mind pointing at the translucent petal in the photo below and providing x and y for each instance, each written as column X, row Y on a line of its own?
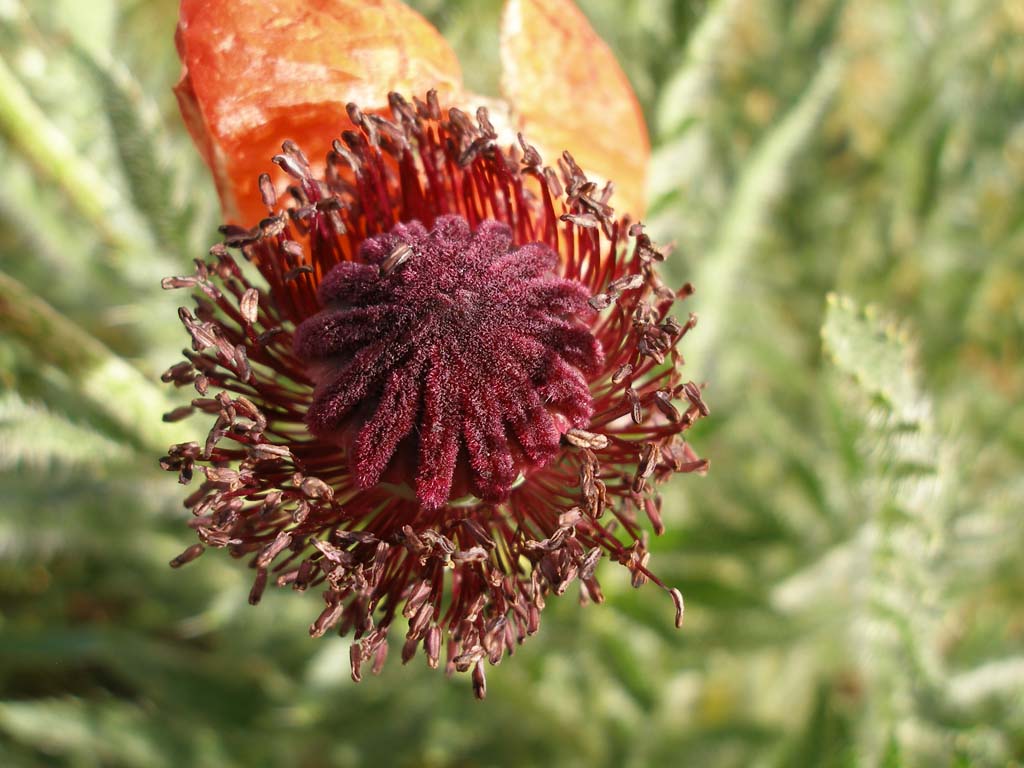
column 569, row 93
column 256, row 73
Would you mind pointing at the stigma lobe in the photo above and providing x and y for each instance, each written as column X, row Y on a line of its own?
column 449, row 359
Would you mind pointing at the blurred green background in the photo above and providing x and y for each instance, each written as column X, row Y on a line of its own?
column 843, row 182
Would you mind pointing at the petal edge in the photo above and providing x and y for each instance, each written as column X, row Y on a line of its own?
column 257, row 72
column 568, row 92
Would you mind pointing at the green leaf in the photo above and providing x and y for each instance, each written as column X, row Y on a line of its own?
column 31, row 437
column 108, row 382
column 687, row 91
column 765, row 178
column 910, row 474
column 53, row 155
column 873, row 351
column 143, row 149
column 100, row 733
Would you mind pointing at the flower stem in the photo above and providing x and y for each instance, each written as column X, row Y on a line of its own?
column 762, row 184
column 106, row 381
column 28, row 128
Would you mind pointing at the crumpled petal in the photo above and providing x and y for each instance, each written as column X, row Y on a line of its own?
column 257, row 72
column 568, row 92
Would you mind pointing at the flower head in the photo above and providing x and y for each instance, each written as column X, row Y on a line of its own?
column 448, row 387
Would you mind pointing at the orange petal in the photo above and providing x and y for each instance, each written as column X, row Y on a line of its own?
column 257, row 72
column 568, row 92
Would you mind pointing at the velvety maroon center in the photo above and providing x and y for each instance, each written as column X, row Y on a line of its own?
column 449, row 360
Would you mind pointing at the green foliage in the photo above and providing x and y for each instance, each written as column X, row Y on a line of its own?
column 34, row 439
column 843, row 182
column 875, row 354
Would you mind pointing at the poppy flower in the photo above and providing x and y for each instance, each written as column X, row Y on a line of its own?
column 443, row 375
